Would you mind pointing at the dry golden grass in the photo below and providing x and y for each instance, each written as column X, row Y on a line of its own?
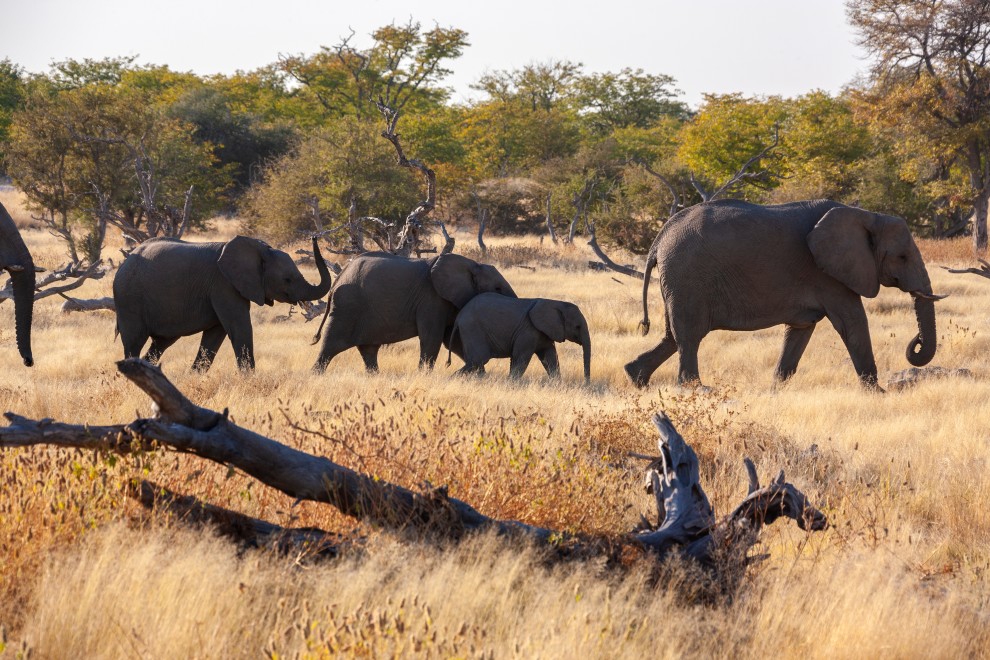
column 85, row 572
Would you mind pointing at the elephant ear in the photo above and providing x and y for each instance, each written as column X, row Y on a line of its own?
column 241, row 262
column 548, row 319
column 842, row 245
column 453, row 278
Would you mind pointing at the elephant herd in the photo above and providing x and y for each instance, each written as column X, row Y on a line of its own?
column 725, row 265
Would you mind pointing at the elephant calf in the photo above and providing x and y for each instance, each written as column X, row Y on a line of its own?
column 494, row 326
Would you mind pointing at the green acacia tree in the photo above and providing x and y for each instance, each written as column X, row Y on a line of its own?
column 314, row 186
column 403, row 66
column 102, row 153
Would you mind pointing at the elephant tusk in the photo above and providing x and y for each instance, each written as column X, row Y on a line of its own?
column 928, row 296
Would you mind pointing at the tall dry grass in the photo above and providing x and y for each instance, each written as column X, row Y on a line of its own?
column 902, row 572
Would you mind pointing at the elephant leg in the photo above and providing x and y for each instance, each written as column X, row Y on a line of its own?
column 796, row 339
column 687, row 350
column 242, row 339
column 337, row 339
column 235, row 319
column 640, row 369
column 133, row 343
column 854, row 329
column 158, row 346
column 369, row 353
column 431, row 335
column 519, row 361
column 548, row 358
column 209, row 344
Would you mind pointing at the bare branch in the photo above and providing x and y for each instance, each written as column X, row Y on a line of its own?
column 984, row 271
column 675, row 204
column 409, row 237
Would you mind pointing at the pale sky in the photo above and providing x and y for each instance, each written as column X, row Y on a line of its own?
column 757, row 47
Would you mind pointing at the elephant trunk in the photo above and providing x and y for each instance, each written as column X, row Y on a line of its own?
column 23, row 284
column 317, row 291
column 586, row 345
column 921, row 349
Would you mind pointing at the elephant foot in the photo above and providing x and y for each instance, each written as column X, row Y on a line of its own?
column 636, row 375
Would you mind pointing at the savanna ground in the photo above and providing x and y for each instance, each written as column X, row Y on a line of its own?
column 902, row 571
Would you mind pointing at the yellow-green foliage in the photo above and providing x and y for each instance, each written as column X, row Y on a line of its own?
column 902, row 572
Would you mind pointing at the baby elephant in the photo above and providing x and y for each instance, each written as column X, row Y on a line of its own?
column 496, row 326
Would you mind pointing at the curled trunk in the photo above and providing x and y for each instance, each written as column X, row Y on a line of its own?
column 317, row 291
column 921, row 349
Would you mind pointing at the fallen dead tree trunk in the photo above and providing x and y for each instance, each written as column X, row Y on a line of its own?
column 685, row 521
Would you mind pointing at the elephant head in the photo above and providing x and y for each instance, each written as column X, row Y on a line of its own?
column 563, row 321
column 864, row 250
column 457, row 279
column 16, row 260
column 265, row 275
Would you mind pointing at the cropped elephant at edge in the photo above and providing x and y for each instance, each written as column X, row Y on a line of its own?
column 16, row 260
column 732, row 265
column 380, row 298
column 494, row 326
column 167, row 289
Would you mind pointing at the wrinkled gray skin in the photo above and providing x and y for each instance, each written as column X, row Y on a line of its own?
column 494, row 326
column 16, row 260
column 380, row 298
column 167, row 288
column 731, row 265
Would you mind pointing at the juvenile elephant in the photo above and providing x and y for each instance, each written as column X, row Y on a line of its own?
column 167, row 288
column 731, row 265
column 494, row 326
column 380, row 298
column 16, row 260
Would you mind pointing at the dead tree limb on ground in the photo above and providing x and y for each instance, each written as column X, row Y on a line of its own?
column 685, row 523
column 410, row 234
column 252, row 532
column 984, row 271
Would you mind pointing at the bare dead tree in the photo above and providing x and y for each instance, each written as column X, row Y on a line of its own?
column 354, row 226
column 549, row 220
column 686, row 523
column 675, row 202
column 743, row 175
column 410, row 234
column 581, row 200
column 482, row 224
column 606, row 262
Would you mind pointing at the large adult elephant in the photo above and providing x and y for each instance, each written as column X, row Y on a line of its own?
column 168, row 288
column 380, row 298
column 731, row 265
column 16, row 260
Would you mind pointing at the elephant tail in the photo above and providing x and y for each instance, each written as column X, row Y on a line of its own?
column 453, row 333
column 326, row 314
column 651, row 262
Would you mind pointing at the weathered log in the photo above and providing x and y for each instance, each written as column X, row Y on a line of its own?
column 87, row 305
column 253, row 532
column 685, row 522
